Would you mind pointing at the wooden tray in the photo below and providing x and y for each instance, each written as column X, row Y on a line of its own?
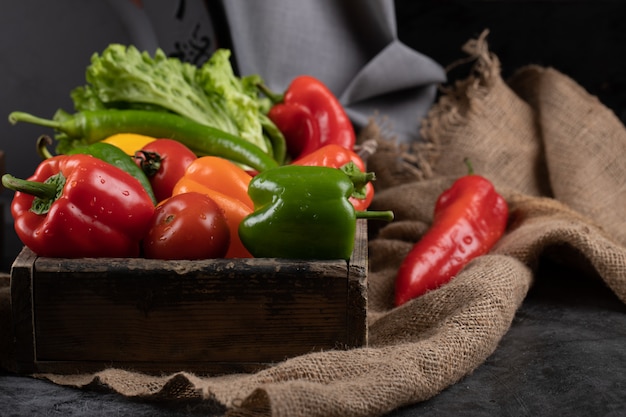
column 210, row 316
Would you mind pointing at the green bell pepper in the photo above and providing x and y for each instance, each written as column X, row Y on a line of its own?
column 303, row 212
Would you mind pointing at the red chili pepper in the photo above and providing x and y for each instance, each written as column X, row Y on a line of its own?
column 80, row 206
column 335, row 156
column 469, row 219
column 309, row 115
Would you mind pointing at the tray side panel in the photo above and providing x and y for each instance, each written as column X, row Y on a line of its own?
column 221, row 311
column 22, row 272
column 357, row 289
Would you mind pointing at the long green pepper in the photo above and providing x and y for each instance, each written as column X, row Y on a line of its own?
column 88, row 127
column 115, row 156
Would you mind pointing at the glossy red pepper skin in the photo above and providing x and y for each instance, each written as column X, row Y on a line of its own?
column 102, row 211
column 336, row 156
column 298, row 126
column 308, row 101
column 470, row 217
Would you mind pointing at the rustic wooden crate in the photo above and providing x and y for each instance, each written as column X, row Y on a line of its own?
column 209, row 316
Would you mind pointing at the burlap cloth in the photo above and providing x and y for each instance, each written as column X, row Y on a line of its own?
column 556, row 154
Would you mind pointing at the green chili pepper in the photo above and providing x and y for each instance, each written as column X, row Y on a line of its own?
column 106, row 152
column 93, row 126
column 115, row 156
column 303, row 212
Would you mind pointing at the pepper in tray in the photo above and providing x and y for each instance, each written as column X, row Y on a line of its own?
column 80, row 206
column 469, row 218
column 309, row 116
column 87, row 127
column 303, row 212
column 108, row 153
column 336, row 156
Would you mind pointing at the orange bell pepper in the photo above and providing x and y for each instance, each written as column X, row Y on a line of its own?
column 221, row 175
column 234, row 210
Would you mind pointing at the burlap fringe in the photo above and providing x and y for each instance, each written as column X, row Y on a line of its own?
column 456, row 101
column 398, row 163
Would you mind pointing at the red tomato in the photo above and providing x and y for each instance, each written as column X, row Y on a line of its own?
column 187, row 226
column 164, row 161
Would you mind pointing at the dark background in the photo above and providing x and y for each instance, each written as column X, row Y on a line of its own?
column 583, row 39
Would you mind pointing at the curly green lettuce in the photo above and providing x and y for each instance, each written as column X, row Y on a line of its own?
column 123, row 77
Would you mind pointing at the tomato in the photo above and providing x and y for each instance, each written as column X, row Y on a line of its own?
column 164, row 161
column 187, row 226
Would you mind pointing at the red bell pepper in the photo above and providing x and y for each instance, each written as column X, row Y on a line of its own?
column 310, row 116
column 80, row 206
column 469, row 219
column 335, row 156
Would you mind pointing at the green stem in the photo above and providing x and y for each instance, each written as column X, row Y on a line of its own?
column 18, row 116
column 45, row 191
column 277, row 139
column 386, row 215
column 359, row 178
column 42, row 146
column 274, row 97
column 470, row 168
column 72, row 125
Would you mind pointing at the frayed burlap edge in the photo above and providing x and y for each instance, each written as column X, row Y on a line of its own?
column 452, row 108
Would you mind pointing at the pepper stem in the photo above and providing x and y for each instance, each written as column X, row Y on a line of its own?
column 359, row 178
column 274, row 97
column 71, row 125
column 470, row 167
column 386, row 215
column 45, row 193
column 19, row 116
column 42, row 146
column 38, row 189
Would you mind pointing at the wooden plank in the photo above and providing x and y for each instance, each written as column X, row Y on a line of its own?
column 357, row 289
column 22, row 310
column 221, row 312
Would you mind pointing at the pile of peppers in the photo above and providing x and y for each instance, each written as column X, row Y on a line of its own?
column 301, row 201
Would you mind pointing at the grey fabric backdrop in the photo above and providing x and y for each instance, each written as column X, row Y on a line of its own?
column 351, row 45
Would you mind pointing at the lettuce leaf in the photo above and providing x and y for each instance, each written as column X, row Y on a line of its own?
column 123, row 77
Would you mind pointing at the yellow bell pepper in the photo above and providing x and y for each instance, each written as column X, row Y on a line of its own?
column 129, row 142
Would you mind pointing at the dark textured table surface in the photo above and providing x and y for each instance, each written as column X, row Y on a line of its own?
column 565, row 355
